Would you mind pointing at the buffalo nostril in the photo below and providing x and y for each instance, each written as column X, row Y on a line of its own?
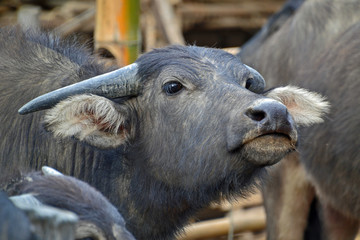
column 256, row 115
column 249, row 83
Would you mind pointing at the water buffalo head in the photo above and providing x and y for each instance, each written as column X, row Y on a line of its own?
column 187, row 116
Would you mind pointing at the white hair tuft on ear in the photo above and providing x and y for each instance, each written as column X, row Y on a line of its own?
column 306, row 108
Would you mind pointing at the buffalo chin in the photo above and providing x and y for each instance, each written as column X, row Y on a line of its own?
column 267, row 149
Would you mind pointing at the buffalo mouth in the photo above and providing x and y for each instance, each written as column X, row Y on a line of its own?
column 268, row 148
column 270, row 136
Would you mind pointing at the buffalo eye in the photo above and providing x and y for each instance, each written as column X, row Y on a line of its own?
column 171, row 88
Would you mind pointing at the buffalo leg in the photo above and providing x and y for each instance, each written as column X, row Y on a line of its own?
column 287, row 197
column 338, row 226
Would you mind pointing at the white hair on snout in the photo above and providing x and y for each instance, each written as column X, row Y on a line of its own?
column 305, row 107
column 90, row 118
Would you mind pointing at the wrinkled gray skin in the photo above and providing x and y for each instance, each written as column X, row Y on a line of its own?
column 318, row 49
column 181, row 152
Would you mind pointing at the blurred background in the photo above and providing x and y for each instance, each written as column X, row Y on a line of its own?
column 120, row 30
column 144, row 24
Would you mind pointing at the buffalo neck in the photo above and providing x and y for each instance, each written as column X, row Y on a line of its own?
column 155, row 210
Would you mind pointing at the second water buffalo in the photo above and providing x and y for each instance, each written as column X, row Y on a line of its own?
column 315, row 195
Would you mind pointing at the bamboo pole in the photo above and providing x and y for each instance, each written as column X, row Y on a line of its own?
column 238, row 221
column 117, row 29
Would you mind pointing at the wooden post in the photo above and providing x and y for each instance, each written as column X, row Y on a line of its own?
column 117, row 29
column 168, row 22
column 239, row 221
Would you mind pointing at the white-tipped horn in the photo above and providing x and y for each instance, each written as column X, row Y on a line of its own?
column 48, row 171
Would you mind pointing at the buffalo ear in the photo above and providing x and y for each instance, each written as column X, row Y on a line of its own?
column 90, row 118
column 306, row 108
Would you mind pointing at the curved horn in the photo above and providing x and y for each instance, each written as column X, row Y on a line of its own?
column 118, row 83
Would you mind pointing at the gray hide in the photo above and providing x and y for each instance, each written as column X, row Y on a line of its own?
column 318, row 49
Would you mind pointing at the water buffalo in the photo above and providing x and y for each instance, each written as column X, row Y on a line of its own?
column 161, row 138
column 315, row 194
column 98, row 218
